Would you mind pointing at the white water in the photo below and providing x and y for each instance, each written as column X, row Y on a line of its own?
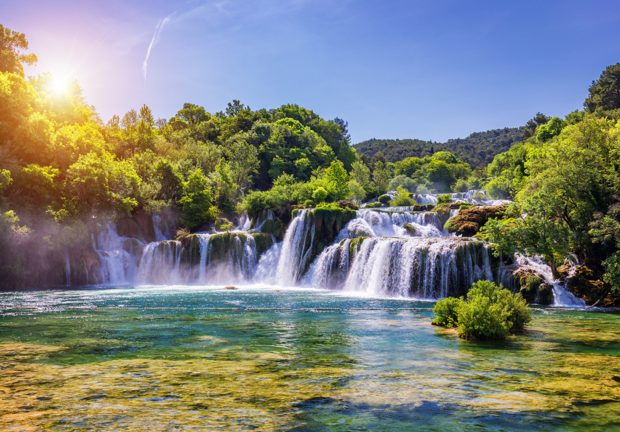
column 118, row 266
column 295, row 254
column 159, row 234
column 392, row 262
column 561, row 296
column 68, row 270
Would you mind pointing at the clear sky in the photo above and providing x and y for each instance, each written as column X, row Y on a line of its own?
column 431, row 69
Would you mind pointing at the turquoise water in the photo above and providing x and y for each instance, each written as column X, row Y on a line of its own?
column 187, row 369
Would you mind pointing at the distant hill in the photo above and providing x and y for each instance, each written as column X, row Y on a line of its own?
column 478, row 149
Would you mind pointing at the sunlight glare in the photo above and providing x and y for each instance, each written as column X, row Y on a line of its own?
column 60, row 83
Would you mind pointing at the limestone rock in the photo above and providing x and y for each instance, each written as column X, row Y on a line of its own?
column 469, row 220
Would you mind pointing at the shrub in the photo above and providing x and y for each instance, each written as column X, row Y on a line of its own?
column 447, row 312
column 444, row 199
column 319, row 195
column 489, row 312
column 402, row 198
column 460, row 186
column 374, row 204
column 479, row 196
column 384, row 199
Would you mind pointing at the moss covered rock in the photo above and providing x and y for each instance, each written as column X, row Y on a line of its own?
column 585, row 285
column 263, row 242
column 532, row 286
column 469, row 220
column 411, row 229
column 273, row 227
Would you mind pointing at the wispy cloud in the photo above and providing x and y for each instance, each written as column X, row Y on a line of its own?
column 154, row 41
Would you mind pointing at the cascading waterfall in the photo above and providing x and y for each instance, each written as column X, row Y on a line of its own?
column 294, row 254
column 425, row 268
column 561, row 296
column 118, row 265
column 204, row 254
column 159, row 234
column 391, row 251
column 68, row 270
column 161, row 262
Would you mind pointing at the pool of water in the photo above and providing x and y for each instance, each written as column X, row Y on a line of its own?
column 141, row 367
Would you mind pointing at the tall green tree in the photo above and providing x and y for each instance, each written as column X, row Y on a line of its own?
column 605, row 92
column 12, row 52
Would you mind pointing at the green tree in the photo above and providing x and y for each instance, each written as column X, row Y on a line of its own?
column 357, row 190
column 439, row 171
column 197, row 201
column 404, row 182
column 605, row 92
column 381, row 177
column 338, row 180
column 547, row 131
column 532, row 125
column 360, row 173
column 12, row 56
column 319, row 195
column 100, row 182
column 402, row 198
column 242, row 159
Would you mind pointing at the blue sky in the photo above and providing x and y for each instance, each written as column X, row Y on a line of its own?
column 431, row 70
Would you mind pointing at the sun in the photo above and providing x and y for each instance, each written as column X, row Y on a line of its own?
column 60, row 83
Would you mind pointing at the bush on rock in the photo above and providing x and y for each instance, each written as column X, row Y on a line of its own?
column 489, row 313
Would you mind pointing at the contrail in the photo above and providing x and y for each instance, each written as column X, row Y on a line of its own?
column 155, row 39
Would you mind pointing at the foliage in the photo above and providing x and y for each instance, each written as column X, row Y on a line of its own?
column 381, row 177
column 360, row 173
column 12, row 58
column 612, row 272
column 402, row 198
column 384, row 199
column 490, row 312
column 337, row 178
column 404, row 182
column 197, row 202
column 478, row 149
column 499, row 188
column 319, row 195
column 357, row 191
column 444, row 199
column 605, row 92
column 446, row 311
column 532, row 124
column 552, row 128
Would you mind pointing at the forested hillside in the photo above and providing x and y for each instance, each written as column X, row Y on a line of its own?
column 478, row 149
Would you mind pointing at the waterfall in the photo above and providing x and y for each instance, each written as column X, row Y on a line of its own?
column 204, row 253
column 118, row 266
column 68, row 270
column 561, row 296
column 426, row 268
column 159, row 235
column 389, row 224
column 161, row 262
column 294, row 254
column 250, row 258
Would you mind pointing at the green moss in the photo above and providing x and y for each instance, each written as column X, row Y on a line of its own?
column 355, row 245
column 411, row 230
column 263, row 242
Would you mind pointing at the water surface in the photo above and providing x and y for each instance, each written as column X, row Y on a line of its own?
column 137, row 368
